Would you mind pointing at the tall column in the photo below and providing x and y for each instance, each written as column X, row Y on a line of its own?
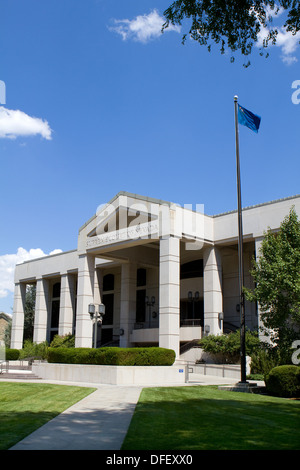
column 212, row 287
column 67, row 292
column 17, row 331
column 85, row 296
column 98, row 285
column 128, row 302
column 169, row 294
column 41, row 311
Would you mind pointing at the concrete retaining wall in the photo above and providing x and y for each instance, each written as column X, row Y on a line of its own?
column 113, row 375
column 232, row 371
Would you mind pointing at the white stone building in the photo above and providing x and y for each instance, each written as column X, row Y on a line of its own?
column 134, row 249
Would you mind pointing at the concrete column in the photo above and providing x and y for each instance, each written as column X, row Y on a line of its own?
column 98, row 285
column 17, row 331
column 212, row 289
column 67, row 292
column 85, row 296
column 128, row 302
column 41, row 311
column 169, row 294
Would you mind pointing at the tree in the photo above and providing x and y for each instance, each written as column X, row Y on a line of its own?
column 29, row 312
column 234, row 24
column 277, row 283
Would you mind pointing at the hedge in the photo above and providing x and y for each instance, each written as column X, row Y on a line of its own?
column 154, row 356
column 12, row 354
column 284, row 381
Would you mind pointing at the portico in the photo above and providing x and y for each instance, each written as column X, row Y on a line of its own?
column 166, row 274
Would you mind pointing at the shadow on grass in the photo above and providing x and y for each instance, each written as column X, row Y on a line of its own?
column 74, row 430
column 227, row 421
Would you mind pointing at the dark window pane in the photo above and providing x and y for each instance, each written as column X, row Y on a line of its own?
column 191, row 311
column 106, row 336
column 141, row 277
column 56, row 290
column 108, row 282
column 192, row 269
column 108, row 300
column 140, row 305
column 55, row 314
column 52, row 334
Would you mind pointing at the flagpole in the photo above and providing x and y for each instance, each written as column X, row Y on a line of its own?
column 240, row 249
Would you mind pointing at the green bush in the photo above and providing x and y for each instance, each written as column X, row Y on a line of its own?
column 284, row 381
column 66, row 341
column 32, row 351
column 12, row 354
column 263, row 361
column 226, row 348
column 112, row 356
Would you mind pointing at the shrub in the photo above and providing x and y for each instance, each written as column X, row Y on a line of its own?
column 263, row 361
column 32, row 351
column 284, row 381
column 112, row 356
column 226, row 348
column 66, row 341
column 12, row 354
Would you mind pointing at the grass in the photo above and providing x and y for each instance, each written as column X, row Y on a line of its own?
column 24, row 407
column 205, row 418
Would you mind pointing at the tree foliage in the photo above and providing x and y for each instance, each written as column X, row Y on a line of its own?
column 233, row 24
column 277, row 282
column 29, row 312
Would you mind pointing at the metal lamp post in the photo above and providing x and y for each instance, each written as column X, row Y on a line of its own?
column 97, row 315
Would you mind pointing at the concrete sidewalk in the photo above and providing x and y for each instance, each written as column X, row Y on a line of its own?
column 97, row 422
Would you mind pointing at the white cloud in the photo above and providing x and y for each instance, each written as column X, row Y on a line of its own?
column 143, row 28
column 286, row 41
column 8, row 263
column 15, row 123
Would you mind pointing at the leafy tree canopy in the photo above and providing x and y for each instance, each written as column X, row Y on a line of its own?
column 277, row 282
column 234, row 24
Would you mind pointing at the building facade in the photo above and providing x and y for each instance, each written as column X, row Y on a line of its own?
column 166, row 274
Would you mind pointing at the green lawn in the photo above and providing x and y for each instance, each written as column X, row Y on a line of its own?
column 205, row 418
column 24, row 407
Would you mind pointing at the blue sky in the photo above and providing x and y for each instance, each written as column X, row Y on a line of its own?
column 98, row 101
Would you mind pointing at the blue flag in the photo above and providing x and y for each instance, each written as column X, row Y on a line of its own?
column 246, row 118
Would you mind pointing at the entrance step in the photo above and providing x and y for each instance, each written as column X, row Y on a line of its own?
column 19, row 376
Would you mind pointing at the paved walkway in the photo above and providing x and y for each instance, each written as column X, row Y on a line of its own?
column 97, row 422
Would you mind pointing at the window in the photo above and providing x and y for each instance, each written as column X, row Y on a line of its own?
column 140, row 305
column 55, row 314
column 56, row 290
column 192, row 269
column 108, row 282
column 108, row 300
column 141, row 277
column 55, row 304
column 191, row 313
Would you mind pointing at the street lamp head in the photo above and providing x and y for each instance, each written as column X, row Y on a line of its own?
column 101, row 309
column 91, row 310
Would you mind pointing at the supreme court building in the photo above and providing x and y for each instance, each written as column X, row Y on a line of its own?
column 166, row 274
